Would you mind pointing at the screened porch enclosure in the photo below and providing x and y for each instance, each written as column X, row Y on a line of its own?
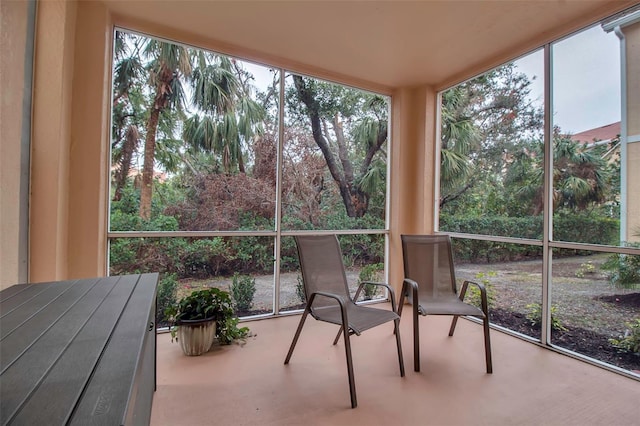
column 247, row 156
column 267, row 126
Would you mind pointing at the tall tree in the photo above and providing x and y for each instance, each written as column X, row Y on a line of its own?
column 327, row 107
column 484, row 121
column 229, row 118
column 582, row 175
column 128, row 101
column 168, row 65
column 458, row 138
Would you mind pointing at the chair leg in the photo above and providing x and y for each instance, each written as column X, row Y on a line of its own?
column 295, row 337
column 485, row 323
column 487, row 345
column 400, row 304
column 453, row 325
column 416, row 338
column 335, row 341
column 352, row 382
column 396, row 330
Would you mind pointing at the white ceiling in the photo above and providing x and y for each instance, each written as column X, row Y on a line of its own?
column 386, row 43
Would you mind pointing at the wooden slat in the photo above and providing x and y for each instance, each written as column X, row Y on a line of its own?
column 80, row 352
column 23, row 305
column 14, row 343
column 50, row 375
column 106, row 397
column 11, row 291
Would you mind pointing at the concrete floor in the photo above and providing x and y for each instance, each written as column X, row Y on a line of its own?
column 249, row 385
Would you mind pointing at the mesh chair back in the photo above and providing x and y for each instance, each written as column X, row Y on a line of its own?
column 322, row 267
column 428, row 260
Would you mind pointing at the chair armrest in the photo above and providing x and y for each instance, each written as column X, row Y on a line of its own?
column 410, row 285
column 387, row 286
column 341, row 299
column 483, row 294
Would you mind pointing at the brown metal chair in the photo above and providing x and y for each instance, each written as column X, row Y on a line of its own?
column 430, row 287
column 329, row 300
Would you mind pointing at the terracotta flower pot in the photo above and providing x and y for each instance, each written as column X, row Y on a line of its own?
column 196, row 336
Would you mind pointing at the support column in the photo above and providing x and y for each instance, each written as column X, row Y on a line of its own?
column 413, row 174
column 52, row 95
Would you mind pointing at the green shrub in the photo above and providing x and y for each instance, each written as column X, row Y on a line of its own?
column 535, row 316
column 362, row 249
column 630, row 341
column 571, row 226
column 524, row 227
column 473, row 293
column 370, row 273
column 300, row 290
column 252, row 255
column 243, row 288
column 568, row 226
column 587, row 268
column 623, row 269
column 203, row 257
column 140, row 255
column 167, row 292
column 123, row 254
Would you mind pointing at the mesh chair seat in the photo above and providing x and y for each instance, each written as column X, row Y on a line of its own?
column 450, row 305
column 328, row 299
column 361, row 318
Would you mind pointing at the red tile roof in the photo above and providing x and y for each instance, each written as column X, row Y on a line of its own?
column 603, row 133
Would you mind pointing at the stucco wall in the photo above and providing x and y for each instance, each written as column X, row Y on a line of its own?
column 52, row 97
column 69, row 144
column 89, row 145
column 632, row 36
column 412, row 159
column 13, row 45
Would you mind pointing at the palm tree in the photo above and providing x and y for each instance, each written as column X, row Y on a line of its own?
column 169, row 64
column 127, row 107
column 484, row 121
column 580, row 175
column 459, row 137
column 230, row 118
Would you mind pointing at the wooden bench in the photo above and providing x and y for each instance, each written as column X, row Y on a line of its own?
column 78, row 352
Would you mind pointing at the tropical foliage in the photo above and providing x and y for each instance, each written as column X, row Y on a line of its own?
column 492, row 169
column 200, row 143
column 197, row 139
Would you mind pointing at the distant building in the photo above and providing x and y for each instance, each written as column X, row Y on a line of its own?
column 599, row 134
column 136, row 174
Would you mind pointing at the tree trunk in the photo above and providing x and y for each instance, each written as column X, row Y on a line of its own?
column 161, row 99
column 241, row 168
column 147, row 168
column 128, row 148
column 316, row 127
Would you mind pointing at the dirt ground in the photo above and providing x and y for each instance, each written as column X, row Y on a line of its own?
column 584, row 303
column 586, row 307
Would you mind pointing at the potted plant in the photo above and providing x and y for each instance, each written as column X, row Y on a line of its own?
column 195, row 318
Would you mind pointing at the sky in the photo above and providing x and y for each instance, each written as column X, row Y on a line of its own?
column 586, row 79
